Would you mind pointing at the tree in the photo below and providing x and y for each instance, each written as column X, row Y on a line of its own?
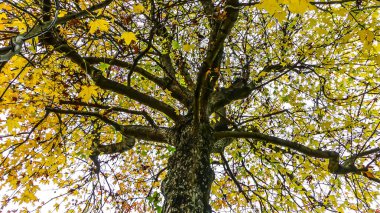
column 190, row 106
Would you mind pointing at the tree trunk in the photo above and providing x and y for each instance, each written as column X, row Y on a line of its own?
column 187, row 185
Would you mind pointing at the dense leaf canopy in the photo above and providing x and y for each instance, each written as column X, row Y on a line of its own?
column 89, row 103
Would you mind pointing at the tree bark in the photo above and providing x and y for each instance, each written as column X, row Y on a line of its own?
column 187, row 185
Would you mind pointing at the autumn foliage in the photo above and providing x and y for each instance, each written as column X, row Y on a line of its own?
column 273, row 104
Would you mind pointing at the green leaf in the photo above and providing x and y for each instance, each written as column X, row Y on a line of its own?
column 103, row 67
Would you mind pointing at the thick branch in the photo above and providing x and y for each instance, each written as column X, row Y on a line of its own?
column 84, row 12
column 334, row 166
column 126, row 144
column 368, row 152
column 278, row 141
column 160, row 134
column 112, row 108
column 40, row 29
column 84, row 113
column 178, row 92
column 119, row 63
column 208, row 9
column 166, row 63
column 225, row 96
column 217, row 38
column 241, row 90
column 114, row 86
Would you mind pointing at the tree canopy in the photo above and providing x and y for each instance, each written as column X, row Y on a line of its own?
column 188, row 106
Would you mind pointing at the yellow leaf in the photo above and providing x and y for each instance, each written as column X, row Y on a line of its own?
column 5, row 7
column 271, row 6
column 3, row 16
column 377, row 59
column 280, row 16
column 128, row 37
column 12, row 125
column 87, row 92
column 341, row 11
column 138, row 8
column 262, row 74
column 62, row 13
column 298, row 6
column 20, row 25
column 187, row 47
column 28, row 197
column 99, row 24
column 366, row 36
column 321, row 31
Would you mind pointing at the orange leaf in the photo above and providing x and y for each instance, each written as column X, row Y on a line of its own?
column 368, row 174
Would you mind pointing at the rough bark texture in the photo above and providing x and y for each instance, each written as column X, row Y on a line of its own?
column 188, row 182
